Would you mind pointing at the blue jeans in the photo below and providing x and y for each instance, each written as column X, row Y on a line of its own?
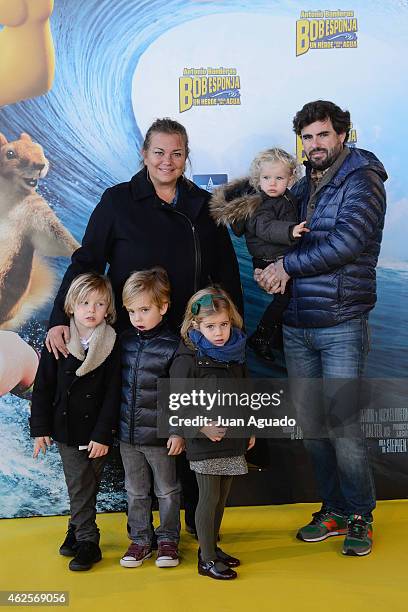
column 141, row 463
column 341, row 465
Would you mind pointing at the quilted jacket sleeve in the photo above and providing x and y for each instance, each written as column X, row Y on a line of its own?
column 359, row 217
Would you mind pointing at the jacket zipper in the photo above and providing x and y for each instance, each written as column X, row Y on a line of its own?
column 197, row 250
column 132, row 412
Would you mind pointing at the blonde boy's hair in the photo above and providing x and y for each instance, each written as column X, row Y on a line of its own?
column 154, row 281
column 83, row 285
column 220, row 301
column 272, row 156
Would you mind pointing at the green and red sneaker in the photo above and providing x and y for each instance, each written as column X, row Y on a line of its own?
column 324, row 524
column 359, row 539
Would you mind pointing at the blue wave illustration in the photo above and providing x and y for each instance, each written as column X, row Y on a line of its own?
column 87, row 127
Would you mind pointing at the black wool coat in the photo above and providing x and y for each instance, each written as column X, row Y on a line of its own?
column 187, row 364
column 76, row 409
column 133, row 229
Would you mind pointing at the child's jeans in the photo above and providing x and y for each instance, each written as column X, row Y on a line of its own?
column 142, row 463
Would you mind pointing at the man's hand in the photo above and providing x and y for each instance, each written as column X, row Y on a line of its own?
column 273, row 278
column 96, row 450
column 176, row 445
column 40, row 444
column 57, row 339
column 214, row 433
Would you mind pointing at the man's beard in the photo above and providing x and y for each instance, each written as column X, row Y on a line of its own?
column 327, row 161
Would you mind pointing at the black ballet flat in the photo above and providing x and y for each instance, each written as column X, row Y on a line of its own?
column 209, row 568
column 227, row 559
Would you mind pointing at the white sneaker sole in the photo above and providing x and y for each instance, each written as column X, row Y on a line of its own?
column 167, row 562
column 132, row 562
column 321, row 538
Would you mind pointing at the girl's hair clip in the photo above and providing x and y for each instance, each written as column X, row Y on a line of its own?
column 206, row 300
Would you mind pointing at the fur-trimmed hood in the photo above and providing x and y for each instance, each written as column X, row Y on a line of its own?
column 236, row 201
column 100, row 347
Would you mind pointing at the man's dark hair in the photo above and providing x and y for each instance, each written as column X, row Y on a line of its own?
column 320, row 110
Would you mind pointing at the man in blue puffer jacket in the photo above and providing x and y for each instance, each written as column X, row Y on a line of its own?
column 342, row 197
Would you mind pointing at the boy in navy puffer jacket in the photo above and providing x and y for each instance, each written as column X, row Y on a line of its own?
column 147, row 351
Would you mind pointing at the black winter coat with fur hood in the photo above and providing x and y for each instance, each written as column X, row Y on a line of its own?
column 266, row 222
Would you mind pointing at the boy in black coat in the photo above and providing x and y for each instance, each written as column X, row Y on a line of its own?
column 75, row 402
column 262, row 208
column 146, row 353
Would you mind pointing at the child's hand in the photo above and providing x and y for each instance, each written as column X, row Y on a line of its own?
column 40, row 444
column 96, row 450
column 298, row 230
column 176, row 445
column 214, row 433
column 251, row 443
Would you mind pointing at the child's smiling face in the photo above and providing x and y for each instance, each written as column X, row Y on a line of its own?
column 216, row 328
column 274, row 178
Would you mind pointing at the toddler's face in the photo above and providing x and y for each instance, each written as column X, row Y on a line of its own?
column 274, row 178
column 144, row 314
column 90, row 312
column 216, row 328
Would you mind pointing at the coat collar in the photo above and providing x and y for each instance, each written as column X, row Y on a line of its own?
column 100, row 347
column 190, row 197
column 356, row 159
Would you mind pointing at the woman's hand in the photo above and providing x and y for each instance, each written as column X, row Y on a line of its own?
column 57, row 339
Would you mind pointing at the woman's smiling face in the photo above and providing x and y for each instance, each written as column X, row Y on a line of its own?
column 165, row 159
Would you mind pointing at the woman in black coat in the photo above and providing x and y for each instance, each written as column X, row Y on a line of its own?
column 158, row 218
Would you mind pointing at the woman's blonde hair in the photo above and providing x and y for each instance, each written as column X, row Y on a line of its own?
column 154, row 281
column 218, row 301
column 272, row 156
column 83, row 285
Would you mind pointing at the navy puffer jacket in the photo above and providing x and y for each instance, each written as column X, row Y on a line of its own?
column 333, row 266
column 146, row 357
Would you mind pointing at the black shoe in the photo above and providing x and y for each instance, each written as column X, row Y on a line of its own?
column 227, row 559
column 210, row 569
column 70, row 545
column 87, row 554
column 266, row 339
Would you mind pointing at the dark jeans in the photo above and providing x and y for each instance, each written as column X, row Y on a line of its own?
column 341, row 464
column 83, row 477
column 140, row 464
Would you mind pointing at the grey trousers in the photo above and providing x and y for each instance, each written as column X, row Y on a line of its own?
column 83, row 477
column 143, row 464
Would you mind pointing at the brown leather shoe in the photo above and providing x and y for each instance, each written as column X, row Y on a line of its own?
column 209, row 568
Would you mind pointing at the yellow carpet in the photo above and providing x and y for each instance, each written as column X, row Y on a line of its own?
column 277, row 573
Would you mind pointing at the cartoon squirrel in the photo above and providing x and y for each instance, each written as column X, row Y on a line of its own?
column 27, row 58
column 28, row 229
